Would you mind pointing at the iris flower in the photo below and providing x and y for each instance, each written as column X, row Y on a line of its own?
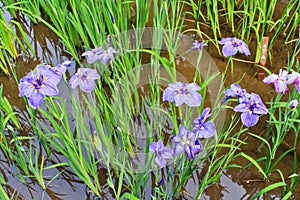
column 293, row 104
column 198, row 45
column 61, row 68
column 183, row 93
column 234, row 45
column 251, row 109
column 38, row 84
column 162, row 153
column 100, row 54
column 294, row 77
column 85, row 79
column 236, row 91
column 107, row 55
column 280, row 81
column 204, row 129
column 186, row 141
column 93, row 54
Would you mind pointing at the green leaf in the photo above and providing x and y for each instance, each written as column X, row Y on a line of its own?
column 254, row 163
column 128, row 196
column 267, row 189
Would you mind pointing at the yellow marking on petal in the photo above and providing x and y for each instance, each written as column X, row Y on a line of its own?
column 36, row 91
column 201, row 127
column 45, row 78
column 250, row 112
column 31, row 86
column 188, row 94
column 38, row 76
column 43, row 85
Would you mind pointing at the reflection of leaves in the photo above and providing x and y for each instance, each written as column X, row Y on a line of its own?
column 6, row 45
column 6, row 108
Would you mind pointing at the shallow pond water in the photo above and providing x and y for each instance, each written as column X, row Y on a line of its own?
column 233, row 184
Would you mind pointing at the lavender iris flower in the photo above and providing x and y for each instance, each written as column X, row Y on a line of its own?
column 93, row 54
column 236, row 91
column 198, row 45
column 234, row 45
column 251, row 109
column 61, row 68
column 183, row 93
column 204, row 129
column 186, row 141
column 280, row 81
column 293, row 104
column 162, row 153
column 38, row 84
column 107, row 55
column 294, row 78
column 100, row 54
column 85, row 79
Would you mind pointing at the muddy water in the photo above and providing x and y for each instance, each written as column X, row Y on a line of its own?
column 233, row 184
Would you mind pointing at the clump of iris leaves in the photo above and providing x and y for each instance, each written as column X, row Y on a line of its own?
column 105, row 103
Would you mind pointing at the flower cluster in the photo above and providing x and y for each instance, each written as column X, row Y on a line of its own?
column 231, row 46
column 282, row 80
column 99, row 53
column 185, row 141
column 44, row 79
column 41, row 82
column 250, row 105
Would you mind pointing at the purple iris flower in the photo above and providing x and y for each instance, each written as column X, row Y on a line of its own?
column 198, row 45
column 93, row 54
column 251, row 109
column 204, row 129
column 107, row 55
column 61, row 68
column 100, row 54
column 162, row 153
column 294, row 77
column 236, row 91
column 280, row 81
column 183, row 93
column 38, row 84
column 234, row 45
column 186, row 141
column 293, row 104
column 85, row 79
